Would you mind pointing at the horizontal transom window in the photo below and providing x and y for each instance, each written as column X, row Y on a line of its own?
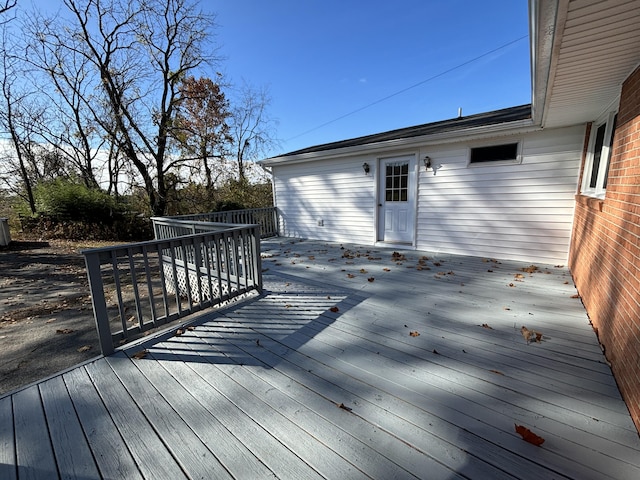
column 494, row 153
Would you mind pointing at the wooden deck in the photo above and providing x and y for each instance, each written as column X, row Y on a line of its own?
column 320, row 377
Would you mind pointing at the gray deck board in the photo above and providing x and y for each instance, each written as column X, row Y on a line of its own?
column 72, row 452
column 7, row 441
column 318, row 377
column 34, row 453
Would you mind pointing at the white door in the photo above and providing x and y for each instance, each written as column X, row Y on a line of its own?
column 396, row 199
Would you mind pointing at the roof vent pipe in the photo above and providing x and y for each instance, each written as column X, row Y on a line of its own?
column 460, row 112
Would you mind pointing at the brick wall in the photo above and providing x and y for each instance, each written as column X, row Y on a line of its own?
column 605, row 251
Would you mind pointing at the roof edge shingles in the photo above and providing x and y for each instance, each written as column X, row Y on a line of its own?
column 506, row 115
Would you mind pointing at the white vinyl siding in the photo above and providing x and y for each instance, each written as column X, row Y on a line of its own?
column 335, row 192
column 520, row 211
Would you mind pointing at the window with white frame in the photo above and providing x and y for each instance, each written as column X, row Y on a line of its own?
column 596, row 169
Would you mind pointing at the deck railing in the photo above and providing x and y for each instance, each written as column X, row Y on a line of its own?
column 266, row 217
column 141, row 286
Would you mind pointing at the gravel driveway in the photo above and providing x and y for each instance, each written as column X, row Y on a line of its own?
column 46, row 318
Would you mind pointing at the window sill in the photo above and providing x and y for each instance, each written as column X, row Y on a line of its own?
column 494, row 163
column 593, row 203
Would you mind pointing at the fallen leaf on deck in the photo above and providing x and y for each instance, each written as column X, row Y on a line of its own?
column 486, row 325
column 64, row 331
column 344, row 407
column 179, row 332
column 84, row 348
column 140, row 354
column 436, row 352
column 414, row 333
column 528, row 436
column 370, row 279
column 575, row 296
column 362, row 270
column 386, row 269
column 334, row 309
column 350, row 275
column 191, row 328
column 530, row 269
column 518, row 276
column 498, row 372
column 530, row 335
column 398, row 257
column 511, row 285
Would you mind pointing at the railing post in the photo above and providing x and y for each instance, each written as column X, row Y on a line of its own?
column 255, row 247
column 101, row 316
column 276, row 222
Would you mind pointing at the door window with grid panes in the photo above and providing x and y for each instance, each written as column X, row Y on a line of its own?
column 397, row 182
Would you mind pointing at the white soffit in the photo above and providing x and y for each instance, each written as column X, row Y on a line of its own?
column 596, row 46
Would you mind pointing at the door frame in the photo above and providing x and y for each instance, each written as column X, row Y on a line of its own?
column 412, row 196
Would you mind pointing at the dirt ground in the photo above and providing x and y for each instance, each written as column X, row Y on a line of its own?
column 46, row 318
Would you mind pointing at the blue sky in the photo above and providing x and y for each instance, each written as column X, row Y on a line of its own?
column 324, row 59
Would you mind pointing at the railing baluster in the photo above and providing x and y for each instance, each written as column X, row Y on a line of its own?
column 147, row 271
column 163, row 282
column 176, row 281
column 187, row 280
column 219, row 268
column 136, row 292
column 118, row 287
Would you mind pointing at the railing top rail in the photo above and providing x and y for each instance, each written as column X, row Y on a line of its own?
column 174, row 220
column 148, row 243
column 222, row 212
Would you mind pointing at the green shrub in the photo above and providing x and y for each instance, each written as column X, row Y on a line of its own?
column 64, row 199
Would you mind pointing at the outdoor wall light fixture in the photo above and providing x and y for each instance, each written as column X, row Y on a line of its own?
column 428, row 165
column 366, row 168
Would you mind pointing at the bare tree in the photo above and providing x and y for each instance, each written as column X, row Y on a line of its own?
column 72, row 131
column 251, row 128
column 16, row 118
column 7, row 5
column 133, row 55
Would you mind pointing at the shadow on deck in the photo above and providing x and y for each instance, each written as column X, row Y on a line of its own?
column 353, row 363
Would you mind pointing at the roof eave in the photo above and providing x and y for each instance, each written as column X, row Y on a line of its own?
column 473, row 133
column 543, row 31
